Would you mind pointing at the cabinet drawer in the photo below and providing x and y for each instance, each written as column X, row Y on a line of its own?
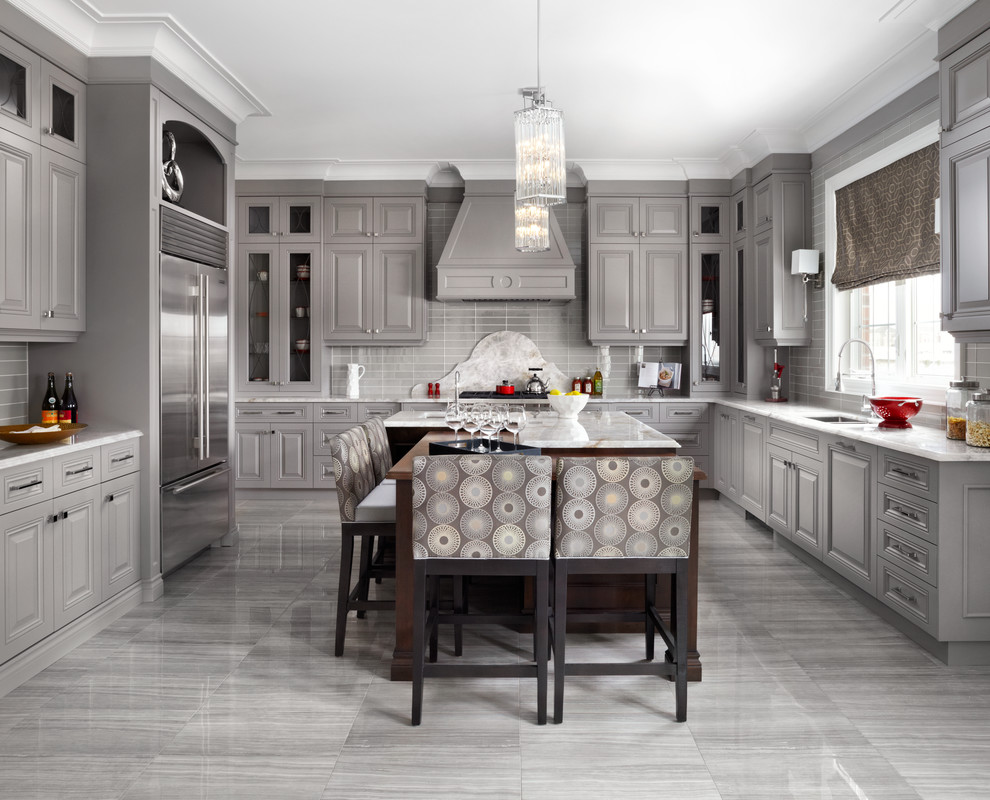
column 644, row 412
column 336, row 412
column 272, row 412
column 26, row 484
column 703, row 462
column 908, row 596
column 120, row 458
column 76, row 471
column 679, row 412
column 793, row 438
column 323, row 473
column 323, row 435
column 381, row 410
column 693, row 439
column 917, row 476
column 908, row 512
column 911, row 553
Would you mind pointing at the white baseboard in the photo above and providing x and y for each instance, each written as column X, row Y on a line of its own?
column 152, row 588
column 50, row 649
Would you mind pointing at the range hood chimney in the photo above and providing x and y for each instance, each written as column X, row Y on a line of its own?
column 480, row 260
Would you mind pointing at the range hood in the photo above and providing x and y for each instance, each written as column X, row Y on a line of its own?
column 480, row 261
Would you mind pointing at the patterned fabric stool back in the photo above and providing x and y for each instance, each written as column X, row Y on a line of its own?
column 352, row 470
column 623, row 507
column 381, row 456
column 481, row 506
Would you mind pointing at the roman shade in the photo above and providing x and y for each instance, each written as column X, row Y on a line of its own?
column 885, row 223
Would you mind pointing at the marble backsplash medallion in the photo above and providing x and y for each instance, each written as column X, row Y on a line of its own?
column 501, row 356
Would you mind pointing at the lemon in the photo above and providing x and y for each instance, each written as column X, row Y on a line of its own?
column 555, row 391
column 573, row 393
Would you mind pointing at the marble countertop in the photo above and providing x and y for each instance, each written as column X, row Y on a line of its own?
column 591, row 429
column 12, row 455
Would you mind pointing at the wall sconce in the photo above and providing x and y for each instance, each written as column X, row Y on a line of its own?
column 805, row 264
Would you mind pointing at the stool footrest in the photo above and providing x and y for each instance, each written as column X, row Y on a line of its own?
column 608, row 668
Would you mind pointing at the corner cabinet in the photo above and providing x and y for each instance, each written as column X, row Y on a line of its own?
column 711, row 318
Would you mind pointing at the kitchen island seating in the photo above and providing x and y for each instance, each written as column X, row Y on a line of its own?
column 367, row 511
column 624, row 516
column 381, row 462
column 479, row 515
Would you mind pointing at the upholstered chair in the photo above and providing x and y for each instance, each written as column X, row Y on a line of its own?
column 381, row 455
column 479, row 515
column 367, row 511
column 624, row 516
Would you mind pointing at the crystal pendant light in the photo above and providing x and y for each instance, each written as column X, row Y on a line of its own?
column 541, row 169
column 532, row 228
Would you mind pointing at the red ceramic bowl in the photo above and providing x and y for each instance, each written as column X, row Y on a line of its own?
column 896, row 411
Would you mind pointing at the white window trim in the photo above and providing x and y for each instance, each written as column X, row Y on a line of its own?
column 837, row 309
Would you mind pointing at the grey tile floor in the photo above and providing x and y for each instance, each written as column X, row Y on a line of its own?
column 227, row 688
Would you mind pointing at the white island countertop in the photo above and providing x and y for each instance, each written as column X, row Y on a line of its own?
column 592, row 429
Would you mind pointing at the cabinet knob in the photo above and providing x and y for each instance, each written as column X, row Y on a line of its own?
column 769, row 328
column 274, row 233
column 697, row 234
column 50, row 131
column 378, row 330
column 369, row 234
column 368, row 331
column 642, row 234
column 108, row 498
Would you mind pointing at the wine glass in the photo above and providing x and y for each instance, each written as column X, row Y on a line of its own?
column 471, row 422
column 515, row 422
column 490, row 423
column 452, row 416
column 503, row 417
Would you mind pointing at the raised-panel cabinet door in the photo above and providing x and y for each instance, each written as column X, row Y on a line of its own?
column 752, row 488
column 121, row 534
column 78, row 554
column 762, row 206
column 26, row 560
column 964, row 90
column 347, row 299
column 663, row 219
column 663, row 310
column 763, row 258
column 779, row 492
column 63, row 243
column 614, row 219
column 21, row 71
column 851, row 514
column 398, row 219
column 348, row 219
column 398, row 293
column 790, row 229
column 252, row 465
column 292, row 456
column 20, row 168
column 63, row 112
column 808, row 485
column 613, row 289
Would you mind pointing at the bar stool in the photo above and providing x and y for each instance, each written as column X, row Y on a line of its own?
column 624, row 516
column 479, row 515
column 381, row 463
column 366, row 511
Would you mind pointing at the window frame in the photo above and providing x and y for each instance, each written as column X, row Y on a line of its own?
column 837, row 304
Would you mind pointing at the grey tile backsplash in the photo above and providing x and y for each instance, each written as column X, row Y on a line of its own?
column 560, row 330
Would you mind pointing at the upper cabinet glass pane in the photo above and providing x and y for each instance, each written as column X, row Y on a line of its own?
column 259, row 220
column 710, row 317
column 710, row 220
column 300, row 219
column 260, row 268
column 740, row 215
column 63, row 113
column 13, row 88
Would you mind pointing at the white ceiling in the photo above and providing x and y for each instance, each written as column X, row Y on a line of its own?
column 649, row 88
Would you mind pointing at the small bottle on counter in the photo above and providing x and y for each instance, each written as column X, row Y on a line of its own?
column 588, row 386
column 429, row 390
column 576, row 385
column 597, row 383
column 978, row 420
column 50, row 405
column 70, row 408
column 958, row 394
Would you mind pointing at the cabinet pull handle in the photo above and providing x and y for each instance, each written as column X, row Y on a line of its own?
column 286, row 413
column 907, row 553
column 327, row 470
column 749, row 418
column 78, row 471
column 900, row 593
column 108, row 498
column 129, row 456
column 333, row 412
column 326, row 439
column 65, row 515
column 25, row 486
column 846, row 446
column 52, row 518
column 905, row 474
column 682, row 413
column 909, row 514
column 250, row 413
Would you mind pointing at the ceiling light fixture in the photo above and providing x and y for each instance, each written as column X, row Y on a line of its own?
column 541, row 169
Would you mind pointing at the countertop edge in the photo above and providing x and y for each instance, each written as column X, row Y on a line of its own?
column 13, row 455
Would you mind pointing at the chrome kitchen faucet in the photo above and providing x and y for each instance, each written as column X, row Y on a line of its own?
column 873, row 373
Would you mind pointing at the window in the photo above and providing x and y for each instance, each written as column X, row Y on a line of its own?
column 899, row 319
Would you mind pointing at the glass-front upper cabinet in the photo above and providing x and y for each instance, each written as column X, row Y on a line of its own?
column 20, row 76
column 63, row 112
column 709, row 220
column 297, row 332
column 284, row 219
column 260, row 270
column 712, row 336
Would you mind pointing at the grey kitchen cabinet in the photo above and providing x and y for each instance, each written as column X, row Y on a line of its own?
column 727, row 455
column 78, row 573
column 20, row 110
column 850, row 514
column 638, row 294
column 20, row 170
column 749, row 462
column 63, row 243
column 27, row 568
column 710, row 351
column 274, row 446
column 741, row 310
column 374, row 294
column 964, row 89
column 710, row 220
column 121, row 530
column 782, row 220
column 383, row 220
column 739, row 213
column 631, row 220
column 965, row 239
column 329, row 420
column 795, row 485
column 277, row 319
column 63, row 112
column 283, row 220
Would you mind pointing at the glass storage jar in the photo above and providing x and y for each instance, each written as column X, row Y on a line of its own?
column 978, row 420
column 958, row 394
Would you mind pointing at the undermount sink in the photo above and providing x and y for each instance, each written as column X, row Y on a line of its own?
column 838, row 419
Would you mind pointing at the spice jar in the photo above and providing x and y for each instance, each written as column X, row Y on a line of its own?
column 958, row 394
column 978, row 420
column 576, row 385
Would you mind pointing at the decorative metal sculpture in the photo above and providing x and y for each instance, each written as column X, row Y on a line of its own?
column 172, row 182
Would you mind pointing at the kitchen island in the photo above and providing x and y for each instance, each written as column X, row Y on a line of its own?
column 593, row 433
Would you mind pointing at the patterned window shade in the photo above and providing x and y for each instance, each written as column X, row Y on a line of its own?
column 885, row 223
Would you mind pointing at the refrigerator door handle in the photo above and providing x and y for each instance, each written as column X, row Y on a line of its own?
column 200, row 350
column 185, row 487
column 204, row 409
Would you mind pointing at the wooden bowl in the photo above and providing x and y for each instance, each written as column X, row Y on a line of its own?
column 8, row 433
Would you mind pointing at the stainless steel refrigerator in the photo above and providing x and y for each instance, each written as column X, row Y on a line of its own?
column 195, row 473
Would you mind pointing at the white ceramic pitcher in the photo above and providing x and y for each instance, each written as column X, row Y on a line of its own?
column 354, row 373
